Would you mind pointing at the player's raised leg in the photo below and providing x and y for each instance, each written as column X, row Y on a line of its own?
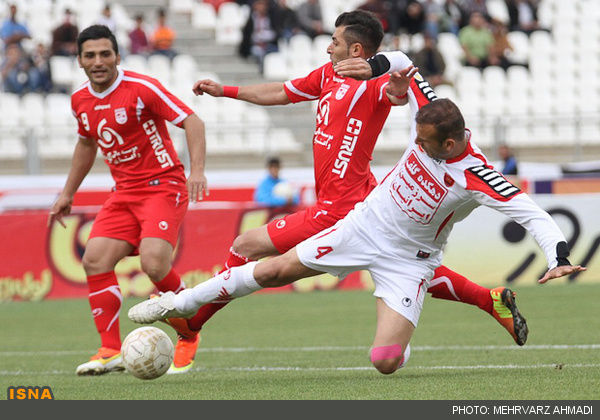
column 234, row 283
column 498, row 302
column 99, row 260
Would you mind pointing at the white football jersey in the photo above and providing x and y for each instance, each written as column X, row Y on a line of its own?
column 415, row 207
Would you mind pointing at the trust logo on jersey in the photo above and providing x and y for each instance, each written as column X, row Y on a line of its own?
column 121, row 115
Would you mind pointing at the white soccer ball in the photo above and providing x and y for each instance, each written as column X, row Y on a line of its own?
column 147, row 352
column 284, row 189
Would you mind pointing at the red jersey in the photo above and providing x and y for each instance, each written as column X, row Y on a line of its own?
column 350, row 116
column 128, row 122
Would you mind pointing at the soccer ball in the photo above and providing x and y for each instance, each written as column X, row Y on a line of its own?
column 147, row 352
column 284, row 189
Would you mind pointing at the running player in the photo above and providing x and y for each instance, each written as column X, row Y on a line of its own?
column 124, row 114
column 350, row 116
column 398, row 234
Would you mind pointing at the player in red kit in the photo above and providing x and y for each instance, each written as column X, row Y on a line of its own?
column 350, row 116
column 124, row 114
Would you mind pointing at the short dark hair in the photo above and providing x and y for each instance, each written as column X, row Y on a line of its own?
column 445, row 116
column 361, row 27
column 273, row 161
column 96, row 32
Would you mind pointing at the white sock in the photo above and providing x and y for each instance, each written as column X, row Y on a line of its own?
column 234, row 283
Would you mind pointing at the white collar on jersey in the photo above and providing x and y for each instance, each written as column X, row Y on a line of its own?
column 111, row 89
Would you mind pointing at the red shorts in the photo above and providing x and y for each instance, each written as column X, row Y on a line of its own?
column 294, row 228
column 151, row 212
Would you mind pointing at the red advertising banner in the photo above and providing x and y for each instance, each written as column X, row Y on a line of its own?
column 40, row 263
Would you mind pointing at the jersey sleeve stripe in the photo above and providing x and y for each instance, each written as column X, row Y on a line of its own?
column 181, row 114
column 295, row 91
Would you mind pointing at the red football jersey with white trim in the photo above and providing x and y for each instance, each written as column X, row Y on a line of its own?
column 128, row 121
column 350, row 116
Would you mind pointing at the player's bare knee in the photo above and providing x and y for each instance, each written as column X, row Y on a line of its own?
column 387, row 359
column 155, row 268
column 268, row 274
column 388, row 366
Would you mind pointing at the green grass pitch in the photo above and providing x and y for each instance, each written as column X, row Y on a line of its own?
column 314, row 347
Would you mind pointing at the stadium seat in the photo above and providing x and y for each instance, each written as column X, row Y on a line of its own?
column 497, row 10
column 12, row 147
column 230, row 20
column 319, row 50
column 10, row 110
column 34, row 117
column 136, row 63
column 275, row 67
column 159, row 67
column 204, row 16
column 520, row 44
column 181, row 6
column 61, row 69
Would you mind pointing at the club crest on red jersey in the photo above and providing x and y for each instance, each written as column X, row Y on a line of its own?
column 448, row 180
column 121, row 115
column 342, row 91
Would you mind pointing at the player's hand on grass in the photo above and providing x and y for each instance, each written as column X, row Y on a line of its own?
column 356, row 68
column 400, row 80
column 60, row 208
column 197, row 187
column 208, row 86
column 560, row 271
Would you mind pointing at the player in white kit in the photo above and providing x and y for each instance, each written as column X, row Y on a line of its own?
column 398, row 233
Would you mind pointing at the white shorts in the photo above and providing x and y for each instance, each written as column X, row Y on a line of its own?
column 345, row 248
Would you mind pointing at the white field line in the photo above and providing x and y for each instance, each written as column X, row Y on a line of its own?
column 329, row 369
column 324, row 348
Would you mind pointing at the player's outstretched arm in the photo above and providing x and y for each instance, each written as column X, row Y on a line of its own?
column 379, row 64
column 195, row 135
column 399, row 83
column 261, row 94
column 83, row 160
column 560, row 271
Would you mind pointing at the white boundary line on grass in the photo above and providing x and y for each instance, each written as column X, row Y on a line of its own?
column 324, row 348
column 331, row 369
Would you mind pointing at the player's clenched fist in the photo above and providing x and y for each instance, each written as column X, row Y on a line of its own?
column 208, row 86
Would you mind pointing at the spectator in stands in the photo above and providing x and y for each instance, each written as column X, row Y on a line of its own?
column 19, row 75
column 379, row 9
column 476, row 40
column 107, row 19
column 311, row 18
column 12, row 31
column 510, row 161
column 430, row 62
column 453, row 17
column 163, row 37
column 64, row 37
column 138, row 39
column 287, row 19
column 412, row 18
column 501, row 45
column 264, row 193
column 476, row 6
column 433, row 13
column 523, row 15
column 259, row 36
column 40, row 59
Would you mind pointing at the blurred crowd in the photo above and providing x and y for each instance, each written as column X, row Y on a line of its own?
column 483, row 39
column 26, row 70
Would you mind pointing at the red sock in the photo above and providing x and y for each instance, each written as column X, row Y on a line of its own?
column 207, row 311
column 170, row 283
column 105, row 300
column 446, row 284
